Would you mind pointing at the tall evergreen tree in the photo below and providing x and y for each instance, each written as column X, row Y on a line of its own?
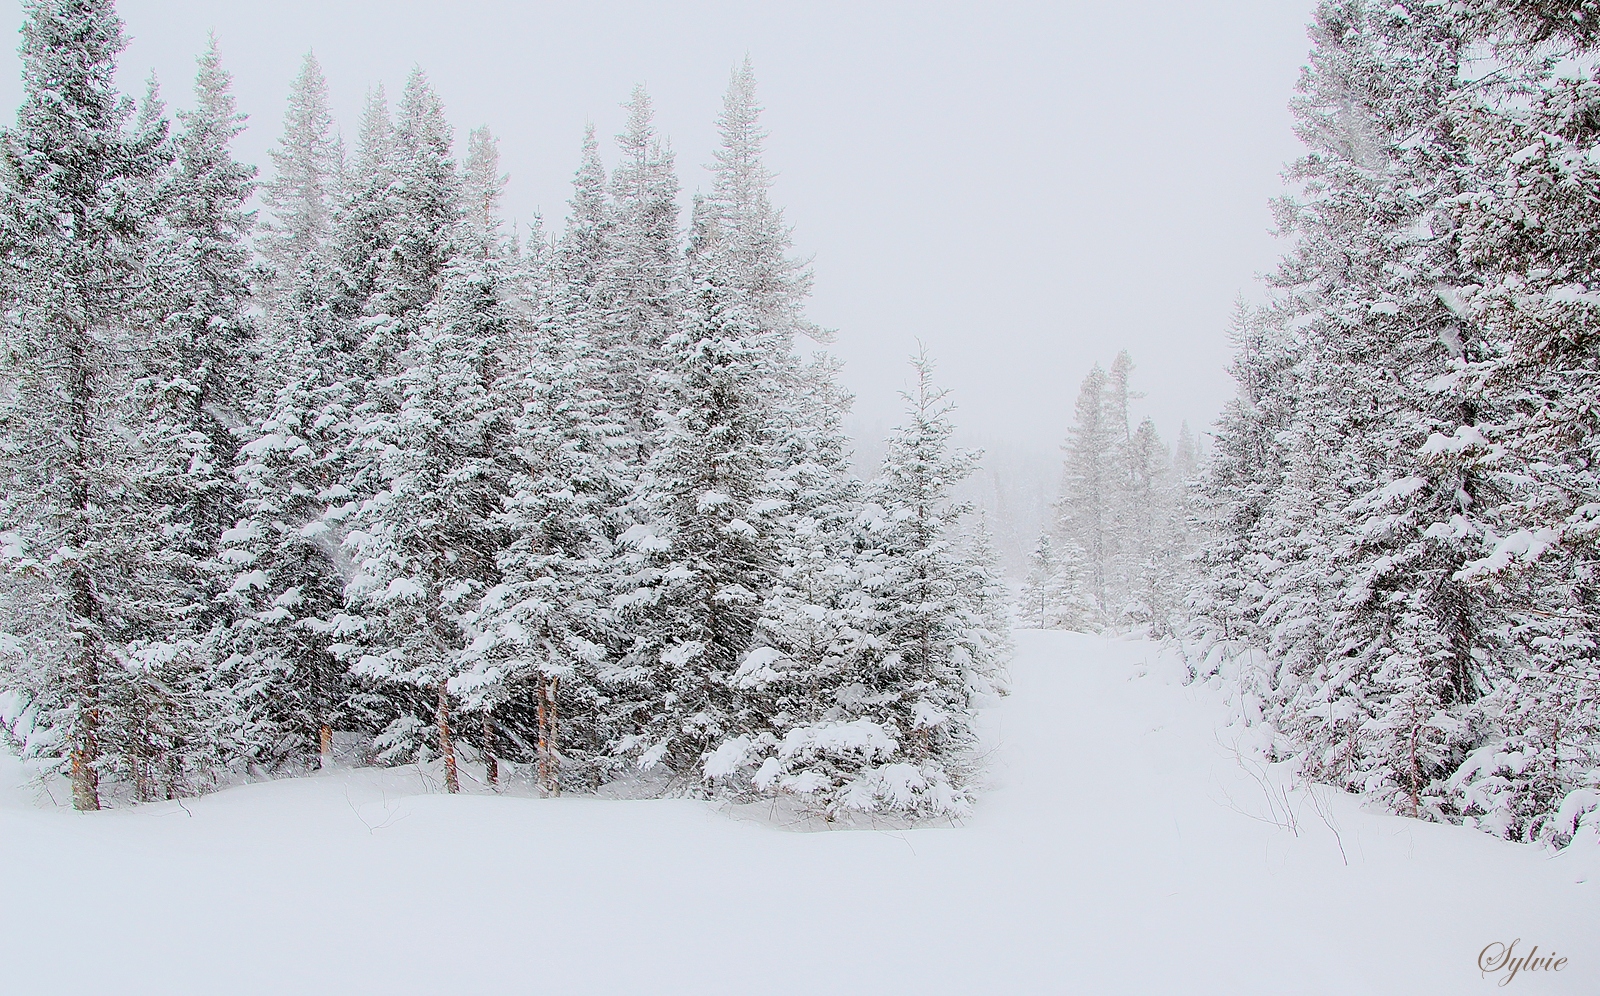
column 646, row 264
column 304, row 188
column 879, row 721
column 424, row 460
column 1387, row 501
column 76, row 225
column 190, row 388
column 1088, row 490
column 289, row 571
column 706, row 546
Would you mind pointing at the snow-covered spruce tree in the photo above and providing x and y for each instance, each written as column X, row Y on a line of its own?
column 1036, row 604
column 1529, row 244
column 746, row 289
column 758, row 246
column 1054, row 594
column 545, row 662
column 363, row 234
column 891, row 733
column 1155, row 535
column 990, row 601
column 206, row 340
column 704, row 553
column 427, row 435
column 740, row 206
column 423, row 200
column 300, row 196
column 187, row 718
column 1345, row 505
column 792, row 675
column 304, row 459
column 646, row 266
column 1245, row 471
column 76, row 225
column 1185, row 454
column 288, row 570
column 545, row 631
column 1365, row 282
column 809, row 483
column 789, row 678
column 1089, row 486
column 482, row 187
column 1121, row 514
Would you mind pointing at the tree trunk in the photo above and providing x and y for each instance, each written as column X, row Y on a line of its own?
column 85, row 781
column 555, row 756
column 85, row 747
column 326, row 760
column 447, row 748
column 490, row 763
column 544, row 741
column 549, row 765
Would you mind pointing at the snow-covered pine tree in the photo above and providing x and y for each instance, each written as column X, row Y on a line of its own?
column 303, row 190
column 1036, row 606
column 790, row 671
column 1245, row 471
column 1384, row 156
column 989, row 601
column 893, row 732
column 546, row 630
column 363, row 231
column 1185, row 454
column 1153, row 534
column 757, row 244
column 646, row 266
column 1346, row 507
column 428, row 433
column 206, row 340
column 76, row 226
column 289, row 571
column 742, row 209
column 1089, row 486
column 1528, row 245
column 1055, row 592
column 547, row 661
column 792, row 676
column 809, row 481
column 190, row 387
column 1121, row 513
column 704, row 553
column 423, row 197
column 584, row 257
column 482, row 187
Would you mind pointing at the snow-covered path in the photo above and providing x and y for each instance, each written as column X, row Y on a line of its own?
column 1115, row 852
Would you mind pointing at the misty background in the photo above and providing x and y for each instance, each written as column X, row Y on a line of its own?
column 1024, row 189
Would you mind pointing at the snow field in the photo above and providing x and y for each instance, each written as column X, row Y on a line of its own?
column 1120, row 847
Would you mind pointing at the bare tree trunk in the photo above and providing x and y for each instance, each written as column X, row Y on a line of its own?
column 85, row 746
column 555, row 755
column 544, row 741
column 490, row 763
column 85, row 782
column 326, row 760
column 144, row 777
column 447, row 748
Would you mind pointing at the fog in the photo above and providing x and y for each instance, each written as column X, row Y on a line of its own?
column 1024, row 190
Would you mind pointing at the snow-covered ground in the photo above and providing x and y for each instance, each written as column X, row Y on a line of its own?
column 1122, row 846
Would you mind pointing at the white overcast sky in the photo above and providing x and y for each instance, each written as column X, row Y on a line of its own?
column 1026, row 188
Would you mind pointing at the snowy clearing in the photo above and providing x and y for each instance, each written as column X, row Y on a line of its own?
column 1119, row 848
